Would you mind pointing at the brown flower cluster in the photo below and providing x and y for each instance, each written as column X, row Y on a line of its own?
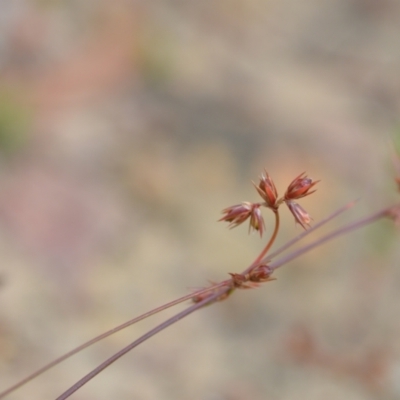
column 300, row 187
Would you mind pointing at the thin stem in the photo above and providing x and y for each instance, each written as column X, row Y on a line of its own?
column 290, row 243
column 225, row 288
column 221, row 292
column 271, row 241
column 338, row 232
column 143, row 338
column 208, row 300
column 106, row 334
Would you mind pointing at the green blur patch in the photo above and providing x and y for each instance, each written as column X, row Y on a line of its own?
column 14, row 124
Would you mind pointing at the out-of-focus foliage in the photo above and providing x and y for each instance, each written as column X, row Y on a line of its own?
column 14, row 124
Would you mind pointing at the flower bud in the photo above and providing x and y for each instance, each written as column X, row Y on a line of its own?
column 257, row 220
column 261, row 274
column 267, row 190
column 300, row 187
column 300, row 214
column 237, row 214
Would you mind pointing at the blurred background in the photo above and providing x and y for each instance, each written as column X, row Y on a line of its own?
column 127, row 126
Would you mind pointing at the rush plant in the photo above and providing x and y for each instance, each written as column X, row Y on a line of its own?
column 260, row 271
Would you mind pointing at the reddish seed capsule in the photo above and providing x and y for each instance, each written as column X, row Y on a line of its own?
column 239, row 213
column 257, row 220
column 261, row 274
column 300, row 187
column 300, row 214
column 267, row 190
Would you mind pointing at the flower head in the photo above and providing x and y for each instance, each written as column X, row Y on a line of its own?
column 261, row 274
column 300, row 214
column 300, row 187
column 239, row 213
column 267, row 190
column 257, row 220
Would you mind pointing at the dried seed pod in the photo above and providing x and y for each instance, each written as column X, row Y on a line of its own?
column 267, row 190
column 300, row 214
column 299, row 187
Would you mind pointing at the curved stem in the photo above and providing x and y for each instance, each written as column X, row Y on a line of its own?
column 271, row 241
column 106, row 334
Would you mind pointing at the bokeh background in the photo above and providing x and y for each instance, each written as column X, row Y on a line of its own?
column 126, row 126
